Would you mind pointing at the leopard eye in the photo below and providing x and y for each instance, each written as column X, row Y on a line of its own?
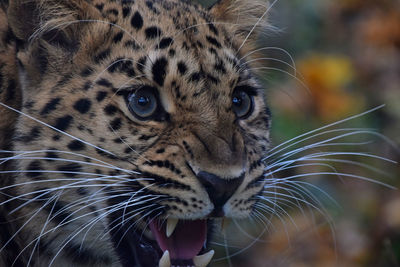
column 242, row 104
column 143, row 103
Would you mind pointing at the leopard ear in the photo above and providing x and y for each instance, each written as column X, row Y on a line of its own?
column 247, row 18
column 49, row 35
column 49, row 20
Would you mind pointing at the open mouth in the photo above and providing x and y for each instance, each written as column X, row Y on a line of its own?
column 167, row 243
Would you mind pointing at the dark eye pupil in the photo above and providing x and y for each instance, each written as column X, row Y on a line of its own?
column 237, row 101
column 242, row 104
column 143, row 101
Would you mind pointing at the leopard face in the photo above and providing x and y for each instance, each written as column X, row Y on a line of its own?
column 141, row 125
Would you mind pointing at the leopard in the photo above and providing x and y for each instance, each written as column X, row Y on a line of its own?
column 129, row 129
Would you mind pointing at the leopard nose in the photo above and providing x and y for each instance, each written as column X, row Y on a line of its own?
column 219, row 190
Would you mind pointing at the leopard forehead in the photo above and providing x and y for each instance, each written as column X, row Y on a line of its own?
column 177, row 47
column 172, row 45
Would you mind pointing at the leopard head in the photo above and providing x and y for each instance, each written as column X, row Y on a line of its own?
column 143, row 124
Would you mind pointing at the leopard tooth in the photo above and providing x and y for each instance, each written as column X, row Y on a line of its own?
column 165, row 260
column 171, row 225
column 203, row 260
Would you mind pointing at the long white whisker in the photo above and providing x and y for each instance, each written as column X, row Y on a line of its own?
column 43, row 228
column 334, row 124
column 303, row 84
column 273, row 48
column 350, row 162
column 256, row 24
column 53, row 229
column 139, row 219
column 103, row 163
column 306, row 147
column 23, row 225
column 271, row 59
column 318, row 155
column 359, row 177
column 119, row 206
column 56, row 180
column 57, row 130
column 77, row 184
column 289, row 166
column 71, row 161
column 70, row 238
column 291, row 143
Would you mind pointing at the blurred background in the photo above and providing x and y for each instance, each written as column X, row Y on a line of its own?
column 328, row 60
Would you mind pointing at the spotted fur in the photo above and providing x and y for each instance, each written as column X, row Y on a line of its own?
column 75, row 63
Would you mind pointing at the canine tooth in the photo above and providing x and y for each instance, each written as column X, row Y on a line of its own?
column 165, row 260
column 171, row 225
column 203, row 260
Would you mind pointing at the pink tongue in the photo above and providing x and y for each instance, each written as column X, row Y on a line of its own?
column 186, row 241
